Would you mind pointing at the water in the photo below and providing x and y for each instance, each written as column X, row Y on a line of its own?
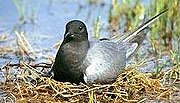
column 45, row 22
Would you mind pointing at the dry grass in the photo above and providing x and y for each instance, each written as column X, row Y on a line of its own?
column 131, row 86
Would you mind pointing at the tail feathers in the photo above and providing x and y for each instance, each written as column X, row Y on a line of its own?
column 143, row 26
column 136, row 38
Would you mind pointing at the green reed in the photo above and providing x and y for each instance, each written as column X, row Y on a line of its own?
column 20, row 9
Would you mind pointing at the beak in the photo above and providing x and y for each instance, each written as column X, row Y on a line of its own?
column 68, row 35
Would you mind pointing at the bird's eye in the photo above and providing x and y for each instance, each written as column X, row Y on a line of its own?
column 80, row 28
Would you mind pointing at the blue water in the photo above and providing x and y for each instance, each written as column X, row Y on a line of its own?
column 45, row 21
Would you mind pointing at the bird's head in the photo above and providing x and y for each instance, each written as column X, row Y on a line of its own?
column 75, row 31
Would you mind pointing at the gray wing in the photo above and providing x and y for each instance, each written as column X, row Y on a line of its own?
column 105, row 60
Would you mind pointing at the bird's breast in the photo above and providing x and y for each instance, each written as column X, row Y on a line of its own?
column 74, row 54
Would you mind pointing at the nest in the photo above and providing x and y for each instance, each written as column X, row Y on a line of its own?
column 28, row 85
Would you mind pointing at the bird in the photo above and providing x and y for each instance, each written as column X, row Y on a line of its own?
column 101, row 61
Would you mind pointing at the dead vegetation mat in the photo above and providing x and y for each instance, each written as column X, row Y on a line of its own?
column 24, row 84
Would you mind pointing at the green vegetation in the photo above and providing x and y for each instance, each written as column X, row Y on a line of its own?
column 20, row 9
column 129, row 11
column 24, row 7
column 96, row 28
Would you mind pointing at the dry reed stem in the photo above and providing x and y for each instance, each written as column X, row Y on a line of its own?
column 24, row 46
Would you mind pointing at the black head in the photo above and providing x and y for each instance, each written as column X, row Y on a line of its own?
column 75, row 31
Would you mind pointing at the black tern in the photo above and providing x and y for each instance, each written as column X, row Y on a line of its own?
column 79, row 60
